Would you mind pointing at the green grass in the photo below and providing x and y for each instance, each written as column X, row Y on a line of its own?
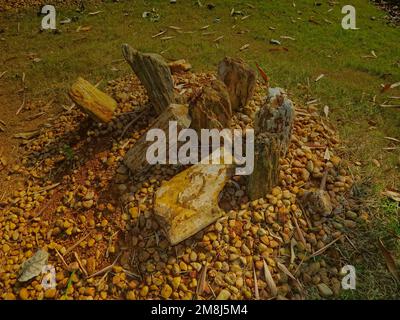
column 348, row 88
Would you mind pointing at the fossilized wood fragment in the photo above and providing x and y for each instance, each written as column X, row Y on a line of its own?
column 211, row 107
column 188, row 202
column 179, row 66
column 318, row 202
column 154, row 73
column 135, row 159
column 273, row 130
column 239, row 79
column 91, row 100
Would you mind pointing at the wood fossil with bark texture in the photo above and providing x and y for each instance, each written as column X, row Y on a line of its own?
column 211, row 108
column 273, row 130
column 239, row 79
column 155, row 75
column 135, row 159
column 91, row 100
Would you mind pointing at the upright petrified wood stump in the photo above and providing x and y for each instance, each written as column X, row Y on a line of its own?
column 135, row 159
column 154, row 73
column 91, row 100
column 211, row 108
column 273, row 130
column 240, row 80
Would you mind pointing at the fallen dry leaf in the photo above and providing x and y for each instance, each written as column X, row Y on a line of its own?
column 394, row 85
column 33, row 266
column 392, row 139
column 244, row 47
column 26, row 135
column 256, row 292
column 376, row 162
column 390, row 263
column 286, row 271
column 326, row 111
column 270, row 281
column 288, row 37
column 262, row 73
column 278, row 49
column 159, row 34
column 388, row 86
column 203, row 281
column 392, row 195
column 327, row 155
column 83, row 29
column 319, row 77
column 94, row 13
column 167, row 38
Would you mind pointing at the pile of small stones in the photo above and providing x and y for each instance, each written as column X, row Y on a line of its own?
column 95, row 219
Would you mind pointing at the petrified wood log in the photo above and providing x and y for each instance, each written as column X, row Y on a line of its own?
column 154, row 73
column 210, row 108
column 91, row 100
column 135, row 159
column 240, row 80
column 273, row 130
column 188, row 202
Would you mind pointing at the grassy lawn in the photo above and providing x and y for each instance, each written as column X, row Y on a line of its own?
column 351, row 86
